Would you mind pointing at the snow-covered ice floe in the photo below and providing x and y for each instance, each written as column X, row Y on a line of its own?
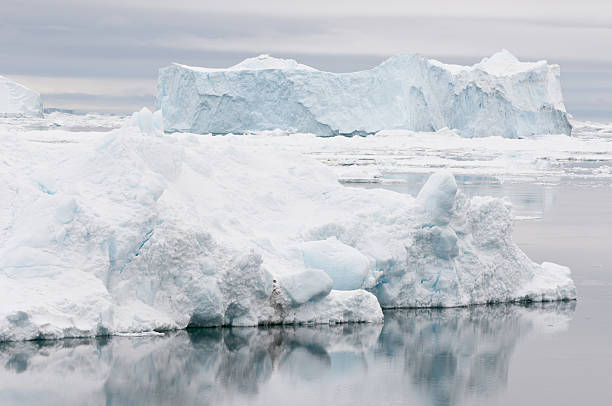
column 58, row 120
column 499, row 96
column 385, row 157
column 17, row 100
column 129, row 232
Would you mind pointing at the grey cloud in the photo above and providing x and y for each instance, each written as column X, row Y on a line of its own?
column 100, row 103
column 118, row 39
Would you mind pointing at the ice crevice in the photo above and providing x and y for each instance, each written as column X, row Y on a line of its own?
column 147, row 231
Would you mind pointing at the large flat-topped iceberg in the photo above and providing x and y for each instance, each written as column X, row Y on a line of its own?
column 499, row 96
column 127, row 232
column 18, row 101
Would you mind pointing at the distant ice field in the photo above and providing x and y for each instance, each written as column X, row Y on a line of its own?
column 384, row 158
column 389, row 156
column 402, row 160
column 63, row 121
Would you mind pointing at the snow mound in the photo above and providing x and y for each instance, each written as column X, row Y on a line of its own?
column 124, row 233
column 499, row 96
column 18, row 101
column 258, row 63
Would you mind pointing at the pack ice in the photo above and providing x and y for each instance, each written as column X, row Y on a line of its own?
column 134, row 230
column 499, row 96
column 17, row 100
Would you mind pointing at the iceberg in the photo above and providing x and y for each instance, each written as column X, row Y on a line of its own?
column 148, row 122
column 134, row 231
column 499, row 96
column 17, row 100
column 346, row 266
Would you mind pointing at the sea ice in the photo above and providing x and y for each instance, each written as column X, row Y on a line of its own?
column 17, row 100
column 499, row 96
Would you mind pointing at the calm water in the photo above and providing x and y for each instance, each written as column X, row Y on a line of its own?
column 556, row 353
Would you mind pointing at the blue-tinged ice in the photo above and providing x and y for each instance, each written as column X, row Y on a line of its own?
column 346, row 266
column 17, row 100
column 499, row 96
column 124, row 232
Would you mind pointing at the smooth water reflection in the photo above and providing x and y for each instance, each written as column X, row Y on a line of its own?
column 433, row 356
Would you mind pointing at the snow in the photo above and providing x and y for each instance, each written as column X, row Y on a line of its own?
column 504, row 63
column 17, row 100
column 337, row 307
column 260, row 62
column 57, row 120
column 499, row 96
column 385, row 157
column 124, row 232
column 551, row 275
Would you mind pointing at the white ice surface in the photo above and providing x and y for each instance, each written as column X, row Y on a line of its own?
column 437, row 198
column 260, row 62
column 586, row 155
column 306, row 285
column 500, row 96
column 387, row 155
column 63, row 121
column 346, row 266
column 127, row 232
column 17, row 100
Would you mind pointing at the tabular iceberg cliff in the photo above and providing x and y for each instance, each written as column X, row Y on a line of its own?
column 18, row 101
column 499, row 96
column 123, row 232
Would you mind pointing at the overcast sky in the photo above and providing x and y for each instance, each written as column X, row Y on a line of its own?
column 104, row 55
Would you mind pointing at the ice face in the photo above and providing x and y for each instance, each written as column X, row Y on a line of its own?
column 149, row 123
column 345, row 265
column 120, row 232
column 437, row 197
column 18, row 101
column 307, row 285
column 500, row 96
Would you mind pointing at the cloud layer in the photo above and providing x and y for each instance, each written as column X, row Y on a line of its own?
column 108, row 43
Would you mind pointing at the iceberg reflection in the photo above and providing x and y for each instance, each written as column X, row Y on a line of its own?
column 432, row 356
column 450, row 355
